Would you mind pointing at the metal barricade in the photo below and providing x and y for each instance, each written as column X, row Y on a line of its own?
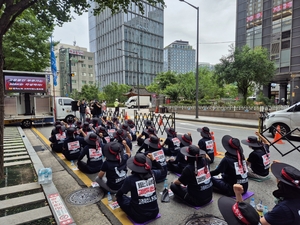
column 160, row 121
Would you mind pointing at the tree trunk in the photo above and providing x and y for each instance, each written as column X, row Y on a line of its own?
column 1, row 110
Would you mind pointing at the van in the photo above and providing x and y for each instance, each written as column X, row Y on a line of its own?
column 288, row 119
column 63, row 107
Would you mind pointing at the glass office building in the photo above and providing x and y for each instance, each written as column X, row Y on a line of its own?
column 179, row 57
column 275, row 25
column 128, row 46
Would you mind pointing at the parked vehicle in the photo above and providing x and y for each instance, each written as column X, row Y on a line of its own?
column 288, row 119
column 26, row 103
column 132, row 102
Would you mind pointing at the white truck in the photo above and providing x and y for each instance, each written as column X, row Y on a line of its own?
column 132, row 102
column 26, row 103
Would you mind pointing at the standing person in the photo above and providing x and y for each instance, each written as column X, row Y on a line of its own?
column 103, row 105
column 232, row 167
column 195, row 176
column 206, row 143
column 142, row 205
column 258, row 161
column 97, row 109
column 114, row 170
column 82, row 107
column 117, row 109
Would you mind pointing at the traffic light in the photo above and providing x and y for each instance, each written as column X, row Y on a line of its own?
column 72, row 74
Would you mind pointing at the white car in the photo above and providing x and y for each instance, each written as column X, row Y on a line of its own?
column 288, row 119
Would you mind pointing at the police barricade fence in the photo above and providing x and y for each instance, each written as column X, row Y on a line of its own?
column 160, row 121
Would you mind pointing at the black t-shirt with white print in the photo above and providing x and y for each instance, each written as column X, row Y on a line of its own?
column 260, row 161
column 116, row 172
column 143, row 195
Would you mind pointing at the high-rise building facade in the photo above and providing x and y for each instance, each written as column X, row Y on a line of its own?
column 275, row 25
column 179, row 57
column 128, row 46
column 75, row 66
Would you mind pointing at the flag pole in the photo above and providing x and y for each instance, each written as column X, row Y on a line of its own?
column 53, row 101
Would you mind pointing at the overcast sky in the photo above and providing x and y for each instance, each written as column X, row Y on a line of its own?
column 217, row 27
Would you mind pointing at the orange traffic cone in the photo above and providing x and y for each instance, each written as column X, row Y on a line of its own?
column 156, row 109
column 215, row 146
column 160, row 122
column 126, row 116
column 278, row 137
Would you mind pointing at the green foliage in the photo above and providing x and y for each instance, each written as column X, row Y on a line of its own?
column 24, row 51
column 115, row 90
column 172, row 91
column 246, row 67
column 264, row 100
column 75, row 95
column 187, row 85
column 89, row 92
column 165, row 79
column 230, row 91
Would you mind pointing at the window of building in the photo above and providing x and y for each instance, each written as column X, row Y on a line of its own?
column 286, row 34
column 83, row 74
column 90, row 66
column 91, row 75
column 285, row 44
column 90, row 58
column 91, row 82
column 82, row 57
column 84, row 82
column 83, row 65
column 72, row 64
column 73, row 81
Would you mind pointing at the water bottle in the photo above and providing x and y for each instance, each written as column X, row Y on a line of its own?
column 265, row 210
column 41, row 177
column 252, row 202
column 49, row 175
column 166, row 184
column 72, row 163
column 109, row 198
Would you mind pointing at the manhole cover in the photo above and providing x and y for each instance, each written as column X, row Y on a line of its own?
column 85, row 196
column 206, row 220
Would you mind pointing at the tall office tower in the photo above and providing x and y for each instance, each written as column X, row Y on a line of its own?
column 275, row 25
column 128, row 46
column 179, row 57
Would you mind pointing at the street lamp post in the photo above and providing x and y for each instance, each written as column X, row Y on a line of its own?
column 197, row 58
column 137, row 71
column 70, row 71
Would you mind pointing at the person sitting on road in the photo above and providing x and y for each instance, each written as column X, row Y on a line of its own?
column 142, row 206
column 57, row 138
column 93, row 152
column 102, row 133
column 258, row 161
column 172, row 142
column 206, row 143
column 154, row 147
column 72, row 145
column 132, row 127
column 196, row 177
column 232, row 167
column 86, row 129
column 178, row 164
column 96, row 122
column 125, row 127
column 121, row 135
column 237, row 212
column 146, row 134
column 114, row 167
column 111, row 129
column 286, row 210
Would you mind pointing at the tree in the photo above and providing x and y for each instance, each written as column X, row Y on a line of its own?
column 187, row 85
column 246, row 67
column 24, row 51
column 164, row 79
column 115, row 90
column 49, row 13
column 89, row 92
column 173, row 92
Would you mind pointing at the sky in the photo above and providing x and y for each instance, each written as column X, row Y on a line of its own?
column 217, row 27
